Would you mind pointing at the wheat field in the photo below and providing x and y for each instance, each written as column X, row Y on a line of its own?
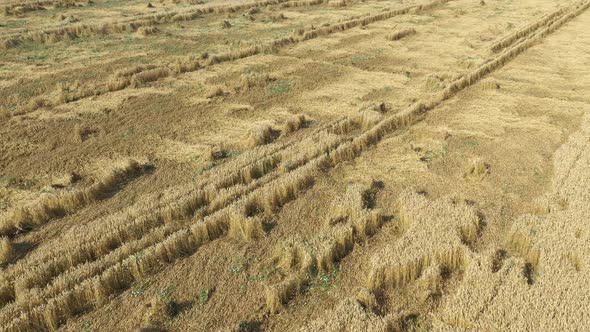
column 294, row 165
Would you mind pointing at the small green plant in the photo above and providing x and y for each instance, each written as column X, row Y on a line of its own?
column 236, row 269
column 238, row 265
column 471, row 142
column 166, row 292
column 358, row 58
column 428, row 156
column 279, row 87
column 329, row 280
column 138, row 290
column 538, row 174
column 204, row 296
column 129, row 132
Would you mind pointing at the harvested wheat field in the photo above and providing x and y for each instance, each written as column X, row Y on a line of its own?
column 295, row 165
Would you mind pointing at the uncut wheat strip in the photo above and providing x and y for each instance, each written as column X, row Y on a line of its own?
column 132, row 213
column 174, row 246
column 25, row 284
column 251, row 156
column 161, row 17
column 129, row 220
column 324, row 146
column 28, row 6
column 54, row 206
column 39, row 2
column 70, row 278
column 126, row 224
column 131, row 229
column 230, row 194
column 12, row 309
column 239, row 191
column 245, row 175
column 107, row 241
column 269, row 150
column 413, row 113
column 25, row 34
column 32, row 274
column 307, row 3
column 265, row 151
column 116, row 221
column 67, row 280
column 105, row 28
column 228, row 170
column 193, row 65
column 510, row 54
column 303, row 3
column 528, row 29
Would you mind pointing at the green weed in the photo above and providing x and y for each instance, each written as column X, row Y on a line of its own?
column 279, row 87
column 204, row 296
